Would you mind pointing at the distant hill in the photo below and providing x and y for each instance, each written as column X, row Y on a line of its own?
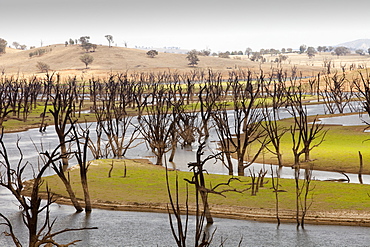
column 176, row 50
column 66, row 61
column 357, row 44
column 61, row 58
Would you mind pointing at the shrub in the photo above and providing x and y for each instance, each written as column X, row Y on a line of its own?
column 43, row 67
column 152, row 53
column 39, row 52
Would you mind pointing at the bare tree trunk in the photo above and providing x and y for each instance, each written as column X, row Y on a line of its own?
column 280, row 159
column 81, row 156
column 67, row 184
column 275, row 186
column 85, row 188
column 297, row 194
column 207, row 210
column 360, row 170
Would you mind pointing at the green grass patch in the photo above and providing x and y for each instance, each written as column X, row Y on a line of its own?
column 34, row 119
column 338, row 152
column 145, row 183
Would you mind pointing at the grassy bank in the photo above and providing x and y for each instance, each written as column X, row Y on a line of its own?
column 145, row 184
column 14, row 124
column 338, row 152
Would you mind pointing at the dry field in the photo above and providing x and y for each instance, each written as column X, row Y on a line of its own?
column 65, row 61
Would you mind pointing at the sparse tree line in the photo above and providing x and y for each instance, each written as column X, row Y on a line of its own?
column 253, row 55
column 170, row 110
column 259, row 56
column 39, row 52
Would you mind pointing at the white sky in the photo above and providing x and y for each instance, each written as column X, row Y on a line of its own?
column 192, row 24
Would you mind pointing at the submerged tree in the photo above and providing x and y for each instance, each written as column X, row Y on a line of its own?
column 242, row 128
column 306, row 133
column 156, row 126
column 198, row 180
column 40, row 232
column 62, row 112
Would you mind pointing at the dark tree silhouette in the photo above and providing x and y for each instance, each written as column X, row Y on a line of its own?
column 40, row 232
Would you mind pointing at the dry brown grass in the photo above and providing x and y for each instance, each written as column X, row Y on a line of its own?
column 65, row 60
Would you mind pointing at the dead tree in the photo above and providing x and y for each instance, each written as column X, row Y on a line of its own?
column 156, row 126
column 208, row 98
column 361, row 168
column 5, row 103
column 238, row 132
column 81, row 156
column 306, row 135
column 276, row 189
column 186, row 119
column 62, row 111
column 48, row 85
column 198, row 180
column 225, row 134
column 362, row 86
column 257, row 180
column 302, row 190
column 113, row 121
column 253, row 183
column 274, row 132
column 179, row 227
column 113, row 124
column 39, row 231
column 274, row 89
column 334, row 95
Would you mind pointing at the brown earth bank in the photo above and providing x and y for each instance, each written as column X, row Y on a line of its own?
column 335, row 217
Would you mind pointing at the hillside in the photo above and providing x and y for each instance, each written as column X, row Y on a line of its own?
column 357, row 44
column 62, row 58
column 65, row 60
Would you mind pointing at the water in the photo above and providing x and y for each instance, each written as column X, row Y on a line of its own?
column 347, row 120
column 135, row 229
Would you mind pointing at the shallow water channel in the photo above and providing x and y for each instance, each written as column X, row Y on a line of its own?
column 121, row 228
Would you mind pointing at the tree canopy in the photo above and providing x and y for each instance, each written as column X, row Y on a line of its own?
column 192, row 57
column 3, row 45
column 87, row 59
column 85, row 43
column 302, row 49
column 152, row 53
column 110, row 39
column 311, row 51
column 341, row 51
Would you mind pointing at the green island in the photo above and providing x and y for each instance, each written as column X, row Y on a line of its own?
column 144, row 188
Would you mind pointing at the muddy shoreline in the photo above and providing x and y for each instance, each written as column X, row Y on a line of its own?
column 335, row 217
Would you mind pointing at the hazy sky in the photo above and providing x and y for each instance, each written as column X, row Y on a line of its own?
column 200, row 24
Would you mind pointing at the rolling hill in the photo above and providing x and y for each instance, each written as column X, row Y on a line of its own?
column 65, row 60
column 357, row 44
column 61, row 58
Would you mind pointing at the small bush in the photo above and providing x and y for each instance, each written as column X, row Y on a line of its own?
column 43, row 67
column 39, row 52
column 152, row 53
